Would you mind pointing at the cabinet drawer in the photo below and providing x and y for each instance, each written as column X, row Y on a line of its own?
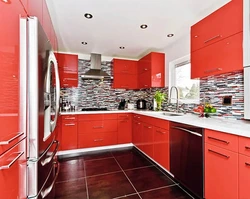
column 67, row 118
column 244, row 146
column 226, row 141
column 97, row 126
column 164, row 124
column 122, row 116
column 222, row 23
column 92, row 117
column 125, row 81
column 97, row 139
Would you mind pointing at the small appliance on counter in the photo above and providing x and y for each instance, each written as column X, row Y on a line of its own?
column 122, row 104
column 141, row 104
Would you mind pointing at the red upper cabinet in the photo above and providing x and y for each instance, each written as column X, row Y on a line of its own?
column 151, row 70
column 125, row 74
column 68, row 69
column 221, row 57
column 224, row 22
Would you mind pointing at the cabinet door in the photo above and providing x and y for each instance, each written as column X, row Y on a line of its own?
column 157, row 69
column 35, row 8
column 125, row 81
column 97, row 126
column 221, row 57
column 244, row 145
column 221, row 173
column 244, row 177
column 68, row 62
column 144, row 80
column 137, row 136
column 68, row 79
column 226, row 21
column 122, row 66
column 161, row 147
column 148, row 139
column 69, row 136
column 124, row 134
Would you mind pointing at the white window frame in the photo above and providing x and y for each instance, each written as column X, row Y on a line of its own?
column 172, row 78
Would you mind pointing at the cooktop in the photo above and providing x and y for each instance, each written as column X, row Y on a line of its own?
column 94, row 109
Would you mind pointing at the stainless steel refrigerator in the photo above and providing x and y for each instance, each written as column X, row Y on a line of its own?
column 42, row 107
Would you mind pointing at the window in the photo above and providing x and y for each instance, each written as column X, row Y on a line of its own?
column 189, row 89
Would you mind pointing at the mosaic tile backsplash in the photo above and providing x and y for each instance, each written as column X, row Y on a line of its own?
column 94, row 93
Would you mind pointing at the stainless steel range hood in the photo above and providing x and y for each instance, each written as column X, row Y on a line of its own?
column 95, row 71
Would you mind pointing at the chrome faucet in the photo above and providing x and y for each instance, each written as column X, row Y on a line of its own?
column 177, row 97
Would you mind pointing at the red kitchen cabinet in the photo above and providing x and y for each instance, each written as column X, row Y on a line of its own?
column 221, row 173
column 68, row 62
column 125, row 74
column 96, row 126
column 244, row 176
column 221, row 57
column 151, row 70
column 137, row 134
column 69, row 135
column 68, row 79
column 161, row 147
column 244, row 146
column 148, row 139
column 124, row 133
column 224, row 22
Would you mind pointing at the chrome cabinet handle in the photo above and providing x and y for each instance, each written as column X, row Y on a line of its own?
column 215, row 152
column 247, row 164
column 188, row 131
column 48, row 159
column 216, row 139
column 69, row 118
column 149, row 127
column 212, row 38
column 98, row 140
column 213, row 70
column 145, row 85
column 145, row 69
column 138, row 123
column 5, row 142
column 247, row 147
column 69, row 124
column 97, row 127
column 124, row 121
column 46, row 191
column 18, row 155
column 160, row 132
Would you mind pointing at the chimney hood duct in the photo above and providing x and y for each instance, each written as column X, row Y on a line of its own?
column 95, row 71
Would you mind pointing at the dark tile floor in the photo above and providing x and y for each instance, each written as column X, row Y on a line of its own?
column 116, row 174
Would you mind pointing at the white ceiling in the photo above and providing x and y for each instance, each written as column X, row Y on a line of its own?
column 117, row 23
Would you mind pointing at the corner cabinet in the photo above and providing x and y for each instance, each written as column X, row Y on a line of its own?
column 151, row 70
column 216, row 42
column 68, row 69
column 125, row 74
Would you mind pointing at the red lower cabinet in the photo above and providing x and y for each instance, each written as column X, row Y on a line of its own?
column 221, row 173
column 148, row 138
column 124, row 133
column 137, row 137
column 244, row 177
column 161, row 147
column 69, row 135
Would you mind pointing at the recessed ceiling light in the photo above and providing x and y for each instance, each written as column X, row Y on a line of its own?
column 88, row 15
column 84, row 43
column 144, row 26
column 170, row 35
column 122, row 47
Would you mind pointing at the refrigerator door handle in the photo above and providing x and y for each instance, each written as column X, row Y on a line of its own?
column 48, row 159
column 46, row 191
column 52, row 59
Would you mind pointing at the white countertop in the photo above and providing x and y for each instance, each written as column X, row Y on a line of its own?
column 236, row 127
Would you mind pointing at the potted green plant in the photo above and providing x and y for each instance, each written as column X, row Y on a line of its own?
column 159, row 98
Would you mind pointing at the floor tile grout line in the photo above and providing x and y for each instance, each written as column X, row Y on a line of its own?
column 185, row 191
column 104, row 174
column 165, row 174
column 172, row 185
column 128, row 179
column 138, row 168
column 86, row 182
column 125, row 195
column 97, row 159
column 71, row 180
